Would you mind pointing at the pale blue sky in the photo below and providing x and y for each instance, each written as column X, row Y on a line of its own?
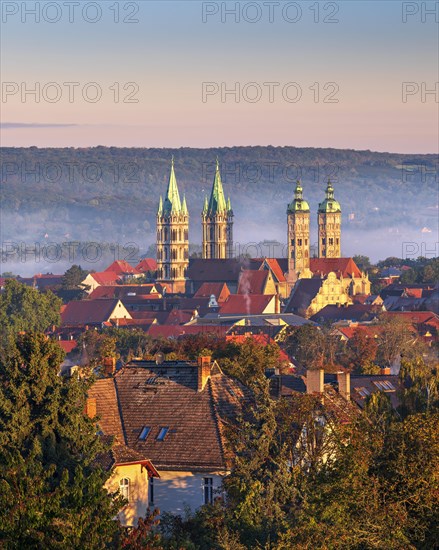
column 170, row 52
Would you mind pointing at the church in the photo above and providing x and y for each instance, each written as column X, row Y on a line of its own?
column 305, row 284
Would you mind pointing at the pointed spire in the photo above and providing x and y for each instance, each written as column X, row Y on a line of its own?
column 217, row 202
column 184, row 209
column 160, row 209
column 329, row 204
column 206, row 205
column 229, row 206
column 298, row 191
column 172, row 203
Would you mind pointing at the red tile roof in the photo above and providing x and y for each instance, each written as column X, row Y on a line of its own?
column 166, row 395
column 147, row 264
column 106, row 277
column 104, row 393
column 252, row 282
column 67, row 345
column 121, row 267
column 274, row 265
column 219, row 290
column 246, row 304
column 344, row 266
column 91, row 312
column 124, row 291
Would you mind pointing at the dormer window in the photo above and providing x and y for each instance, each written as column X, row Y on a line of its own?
column 144, row 433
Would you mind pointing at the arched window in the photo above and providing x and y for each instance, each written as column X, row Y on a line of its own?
column 124, row 488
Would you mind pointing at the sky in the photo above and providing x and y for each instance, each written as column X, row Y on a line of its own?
column 347, row 74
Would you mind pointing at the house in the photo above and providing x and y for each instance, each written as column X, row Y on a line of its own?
column 147, row 266
column 126, row 292
column 278, row 268
column 219, row 290
column 42, row 282
column 93, row 312
column 348, row 313
column 123, row 269
column 176, row 414
column 256, row 282
column 311, row 295
column 214, row 271
column 131, row 472
column 97, row 279
column 353, row 279
column 250, row 304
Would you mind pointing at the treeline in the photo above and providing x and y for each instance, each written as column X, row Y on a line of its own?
column 66, row 188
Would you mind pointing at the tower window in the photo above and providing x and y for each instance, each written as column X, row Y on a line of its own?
column 323, row 241
column 299, row 242
column 292, row 242
column 331, row 242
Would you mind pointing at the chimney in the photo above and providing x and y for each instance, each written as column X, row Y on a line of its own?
column 344, row 384
column 385, row 371
column 204, row 367
column 314, row 380
column 109, row 364
column 90, row 407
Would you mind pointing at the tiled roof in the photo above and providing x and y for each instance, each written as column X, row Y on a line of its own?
column 364, row 385
column 147, row 264
column 88, row 311
column 304, row 291
column 214, row 270
column 106, row 277
column 166, row 396
column 121, row 267
column 120, row 455
column 67, row 345
column 355, row 312
column 219, row 290
column 246, row 304
column 104, row 392
column 344, row 266
column 125, row 291
column 274, row 264
column 252, row 282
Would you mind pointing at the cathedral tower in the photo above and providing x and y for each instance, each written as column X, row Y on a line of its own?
column 329, row 220
column 172, row 237
column 298, row 235
column 217, row 221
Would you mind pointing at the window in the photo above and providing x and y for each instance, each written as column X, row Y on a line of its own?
column 151, row 490
column 144, row 433
column 124, row 488
column 162, row 433
column 208, row 490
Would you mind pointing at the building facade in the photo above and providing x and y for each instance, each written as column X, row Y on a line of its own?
column 172, row 237
column 217, row 222
column 298, row 235
column 329, row 225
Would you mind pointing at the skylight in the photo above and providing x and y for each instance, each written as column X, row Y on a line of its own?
column 144, row 433
column 162, row 433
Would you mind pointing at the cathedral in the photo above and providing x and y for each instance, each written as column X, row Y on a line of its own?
column 217, row 239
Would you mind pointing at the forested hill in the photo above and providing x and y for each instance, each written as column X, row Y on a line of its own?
column 106, row 193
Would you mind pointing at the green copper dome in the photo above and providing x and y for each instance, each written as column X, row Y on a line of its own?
column 298, row 204
column 329, row 204
column 172, row 203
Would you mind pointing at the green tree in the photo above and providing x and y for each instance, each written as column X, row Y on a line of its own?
column 305, row 344
column 51, row 492
column 73, row 277
column 23, row 308
column 363, row 262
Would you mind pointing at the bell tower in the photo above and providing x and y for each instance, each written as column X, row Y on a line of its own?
column 329, row 222
column 172, row 237
column 298, row 235
column 217, row 222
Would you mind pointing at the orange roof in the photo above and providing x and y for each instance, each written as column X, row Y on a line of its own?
column 174, row 331
column 416, row 317
column 121, row 267
column 344, row 266
column 274, row 266
column 147, row 264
